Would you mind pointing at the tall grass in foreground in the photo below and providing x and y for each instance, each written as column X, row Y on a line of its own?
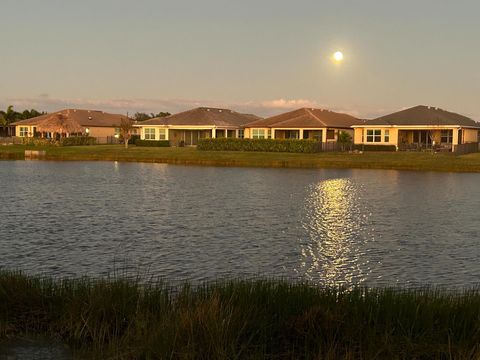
column 240, row 319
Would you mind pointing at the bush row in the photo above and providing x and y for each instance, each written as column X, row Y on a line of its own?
column 78, row 140
column 152, row 143
column 70, row 141
column 266, row 145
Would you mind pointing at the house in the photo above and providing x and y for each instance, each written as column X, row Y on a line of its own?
column 305, row 123
column 94, row 123
column 419, row 127
column 187, row 127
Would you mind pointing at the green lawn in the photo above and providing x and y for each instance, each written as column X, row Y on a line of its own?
column 191, row 156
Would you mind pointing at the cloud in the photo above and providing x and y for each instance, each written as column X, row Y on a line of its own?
column 264, row 108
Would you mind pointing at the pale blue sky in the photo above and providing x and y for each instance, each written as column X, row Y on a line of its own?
column 263, row 56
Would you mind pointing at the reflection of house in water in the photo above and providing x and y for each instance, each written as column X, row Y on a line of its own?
column 418, row 128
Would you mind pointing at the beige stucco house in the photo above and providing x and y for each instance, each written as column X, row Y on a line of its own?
column 419, row 127
column 94, row 123
column 187, row 127
column 305, row 123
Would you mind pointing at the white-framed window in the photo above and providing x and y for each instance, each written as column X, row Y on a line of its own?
column 258, row 133
column 23, row 131
column 149, row 133
column 269, row 133
column 446, row 136
column 386, row 136
column 162, row 134
column 374, row 136
column 241, row 133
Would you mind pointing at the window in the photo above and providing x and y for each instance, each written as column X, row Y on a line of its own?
column 386, row 136
column 374, row 136
column 446, row 136
column 330, row 134
column 162, row 134
column 258, row 133
column 23, row 131
column 117, row 132
column 241, row 133
column 269, row 133
column 149, row 133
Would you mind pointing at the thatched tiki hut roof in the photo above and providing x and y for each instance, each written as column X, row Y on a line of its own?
column 59, row 123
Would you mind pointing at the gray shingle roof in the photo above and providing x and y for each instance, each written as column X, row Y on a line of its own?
column 84, row 118
column 308, row 118
column 423, row 115
column 203, row 116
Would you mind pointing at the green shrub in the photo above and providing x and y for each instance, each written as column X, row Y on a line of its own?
column 361, row 147
column 133, row 138
column 152, row 143
column 78, row 141
column 265, row 145
column 31, row 141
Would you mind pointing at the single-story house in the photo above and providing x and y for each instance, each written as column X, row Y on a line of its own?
column 187, row 127
column 419, row 127
column 68, row 122
column 305, row 123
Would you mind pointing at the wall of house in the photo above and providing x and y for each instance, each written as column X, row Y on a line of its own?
column 248, row 134
column 100, row 132
column 470, row 135
column 30, row 130
column 360, row 136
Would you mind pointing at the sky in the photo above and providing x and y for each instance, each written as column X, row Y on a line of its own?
column 263, row 57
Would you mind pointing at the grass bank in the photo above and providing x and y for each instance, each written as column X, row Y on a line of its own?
column 190, row 156
column 241, row 319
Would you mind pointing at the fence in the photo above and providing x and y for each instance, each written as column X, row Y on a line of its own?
column 466, row 148
column 109, row 140
column 335, row 147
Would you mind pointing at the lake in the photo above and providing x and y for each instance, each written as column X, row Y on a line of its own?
column 331, row 227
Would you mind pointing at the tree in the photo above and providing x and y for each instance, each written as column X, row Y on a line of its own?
column 141, row 116
column 126, row 130
column 344, row 139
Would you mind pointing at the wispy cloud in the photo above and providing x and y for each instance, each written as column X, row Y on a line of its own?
column 264, row 108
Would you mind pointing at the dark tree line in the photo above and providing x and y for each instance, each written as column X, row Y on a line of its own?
column 10, row 115
column 140, row 116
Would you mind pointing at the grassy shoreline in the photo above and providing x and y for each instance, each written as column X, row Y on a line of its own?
column 122, row 319
column 445, row 162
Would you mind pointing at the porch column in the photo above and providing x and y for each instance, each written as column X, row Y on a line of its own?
column 166, row 134
column 455, row 137
column 324, row 135
column 214, row 135
column 300, row 134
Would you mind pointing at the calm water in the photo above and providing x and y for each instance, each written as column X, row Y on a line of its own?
column 199, row 223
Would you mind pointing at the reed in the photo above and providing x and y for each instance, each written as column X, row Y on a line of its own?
column 124, row 318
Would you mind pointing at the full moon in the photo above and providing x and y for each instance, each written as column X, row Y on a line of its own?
column 338, row 56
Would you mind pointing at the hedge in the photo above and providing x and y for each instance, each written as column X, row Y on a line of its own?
column 78, row 140
column 265, row 145
column 375, row 147
column 152, row 143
